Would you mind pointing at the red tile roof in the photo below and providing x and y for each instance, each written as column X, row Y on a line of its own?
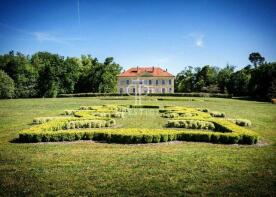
column 145, row 72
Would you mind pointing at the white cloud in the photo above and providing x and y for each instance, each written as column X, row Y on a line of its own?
column 42, row 36
column 197, row 38
column 199, row 41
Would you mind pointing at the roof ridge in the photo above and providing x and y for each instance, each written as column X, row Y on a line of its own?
column 152, row 70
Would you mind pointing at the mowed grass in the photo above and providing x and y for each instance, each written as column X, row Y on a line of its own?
column 85, row 168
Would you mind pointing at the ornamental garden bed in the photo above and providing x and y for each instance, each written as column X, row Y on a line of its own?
column 98, row 123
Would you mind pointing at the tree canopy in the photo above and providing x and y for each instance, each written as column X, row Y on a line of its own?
column 257, row 80
column 45, row 74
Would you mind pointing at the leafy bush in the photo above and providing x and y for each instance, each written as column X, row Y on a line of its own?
column 6, row 85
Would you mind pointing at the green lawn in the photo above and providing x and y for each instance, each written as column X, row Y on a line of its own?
column 85, row 168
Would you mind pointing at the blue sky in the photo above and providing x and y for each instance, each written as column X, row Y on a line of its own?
column 171, row 34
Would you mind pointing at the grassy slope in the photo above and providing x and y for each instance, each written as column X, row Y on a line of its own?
column 87, row 168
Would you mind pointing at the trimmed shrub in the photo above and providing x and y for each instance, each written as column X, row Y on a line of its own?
column 69, row 112
column 147, row 138
column 217, row 114
column 156, row 138
column 87, row 136
column 144, row 106
column 137, row 138
column 215, row 138
column 41, row 120
column 203, row 109
column 241, row 122
column 164, row 137
column 169, row 115
column 190, row 124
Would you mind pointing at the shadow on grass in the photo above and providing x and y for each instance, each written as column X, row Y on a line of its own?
column 247, row 98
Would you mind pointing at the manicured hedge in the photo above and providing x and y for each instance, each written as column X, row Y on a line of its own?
column 196, row 94
column 217, row 114
column 137, row 135
column 190, row 124
column 78, row 127
column 105, row 108
column 110, row 115
column 178, row 99
column 169, row 115
column 65, row 123
column 241, row 122
column 144, row 106
column 41, row 120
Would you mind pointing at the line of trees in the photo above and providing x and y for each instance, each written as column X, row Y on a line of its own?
column 257, row 80
column 46, row 75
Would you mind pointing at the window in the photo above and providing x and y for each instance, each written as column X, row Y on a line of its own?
column 163, row 82
column 170, row 82
column 121, row 90
column 133, row 90
column 156, row 82
column 149, row 82
column 170, row 90
column 127, row 82
column 163, row 90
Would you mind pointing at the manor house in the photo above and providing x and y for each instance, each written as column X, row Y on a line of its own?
column 145, row 80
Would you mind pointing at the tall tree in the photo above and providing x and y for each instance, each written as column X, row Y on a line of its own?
column 238, row 83
column 50, row 68
column 263, row 81
column 223, row 77
column 24, row 75
column 109, row 76
column 206, row 77
column 256, row 59
column 87, row 64
column 184, row 81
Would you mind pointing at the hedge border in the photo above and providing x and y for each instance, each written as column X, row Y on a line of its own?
column 137, row 135
column 53, row 130
column 195, row 94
